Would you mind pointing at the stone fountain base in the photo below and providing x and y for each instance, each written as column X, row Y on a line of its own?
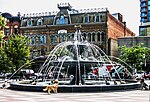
column 75, row 88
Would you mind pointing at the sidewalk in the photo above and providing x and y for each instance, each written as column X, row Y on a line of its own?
column 7, row 95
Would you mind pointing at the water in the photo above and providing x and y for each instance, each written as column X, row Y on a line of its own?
column 78, row 62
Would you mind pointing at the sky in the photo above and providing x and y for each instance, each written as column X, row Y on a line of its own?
column 130, row 9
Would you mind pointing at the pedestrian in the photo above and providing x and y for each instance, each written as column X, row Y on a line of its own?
column 144, row 85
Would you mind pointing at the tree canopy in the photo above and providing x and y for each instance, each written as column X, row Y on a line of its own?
column 2, row 24
column 3, row 21
column 135, row 55
column 15, row 53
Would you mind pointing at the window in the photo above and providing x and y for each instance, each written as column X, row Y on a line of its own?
column 148, row 7
column 15, row 30
column 40, row 21
column 33, row 40
column 7, row 31
column 98, row 36
column 148, row 18
column 148, row 31
column 148, row 13
column 103, row 36
column 29, row 22
column 62, row 19
column 143, row 31
column 62, row 37
column 43, row 39
column 66, row 20
column 97, row 18
column 87, row 18
column 37, row 39
column 89, row 37
column 29, row 39
column 148, row 2
column 57, row 21
column 70, row 36
column 93, row 36
column 84, row 36
column 53, row 38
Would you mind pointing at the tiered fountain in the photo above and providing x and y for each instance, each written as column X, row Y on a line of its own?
column 80, row 67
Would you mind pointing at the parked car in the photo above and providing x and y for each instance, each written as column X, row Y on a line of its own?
column 22, row 74
column 139, row 75
column 147, row 75
column 27, row 73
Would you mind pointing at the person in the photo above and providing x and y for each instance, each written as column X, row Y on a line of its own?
column 143, row 85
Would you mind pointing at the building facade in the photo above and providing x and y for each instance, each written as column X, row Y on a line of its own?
column 144, row 28
column 13, row 24
column 45, row 30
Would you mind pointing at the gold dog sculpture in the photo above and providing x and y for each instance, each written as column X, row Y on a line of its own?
column 53, row 87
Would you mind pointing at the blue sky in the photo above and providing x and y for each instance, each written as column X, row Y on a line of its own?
column 130, row 9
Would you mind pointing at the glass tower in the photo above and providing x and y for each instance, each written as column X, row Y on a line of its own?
column 144, row 28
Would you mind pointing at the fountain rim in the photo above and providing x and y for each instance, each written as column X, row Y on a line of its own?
column 76, row 88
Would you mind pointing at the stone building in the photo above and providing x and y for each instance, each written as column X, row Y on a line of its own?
column 47, row 29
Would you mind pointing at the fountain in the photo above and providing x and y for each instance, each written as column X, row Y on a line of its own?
column 80, row 67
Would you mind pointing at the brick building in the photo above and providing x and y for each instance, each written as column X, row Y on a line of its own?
column 45, row 30
column 13, row 24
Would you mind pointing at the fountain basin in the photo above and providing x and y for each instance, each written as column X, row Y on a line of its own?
column 76, row 88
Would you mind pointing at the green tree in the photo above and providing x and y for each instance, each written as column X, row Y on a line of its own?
column 17, row 51
column 3, row 21
column 2, row 24
column 5, row 63
column 135, row 55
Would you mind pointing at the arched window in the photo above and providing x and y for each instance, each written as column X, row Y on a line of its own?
column 57, row 21
column 15, row 29
column 62, row 37
column 86, row 18
column 29, row 22
column 98, row 36
column 33, row 40
column 103, row 36
column 62, row 19
column 37, row 39
column 97, row 18
column 44, row 39
column 84, row 36
column 29, row 41
column 66, row 20
column 89, row 37
column 53, row 38
column 40, row 21
column 7, row 30
column 93, row 36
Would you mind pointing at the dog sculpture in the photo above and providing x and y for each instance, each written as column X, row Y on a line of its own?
column 53, row 87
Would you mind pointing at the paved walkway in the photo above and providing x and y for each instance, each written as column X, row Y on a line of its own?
column 7, row 95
